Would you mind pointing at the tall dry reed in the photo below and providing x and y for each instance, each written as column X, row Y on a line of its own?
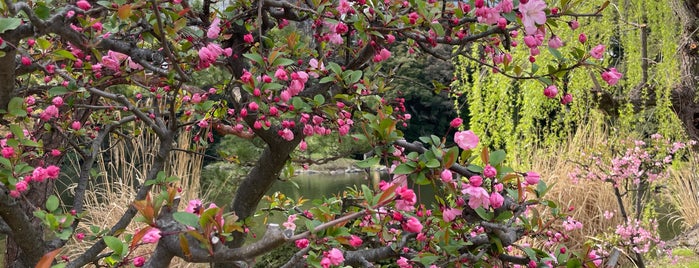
column 589, row 200
column 121, row 167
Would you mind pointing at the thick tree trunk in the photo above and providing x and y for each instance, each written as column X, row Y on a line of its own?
column 684, row 94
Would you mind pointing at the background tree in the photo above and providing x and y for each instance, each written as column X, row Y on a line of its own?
column 78, row 74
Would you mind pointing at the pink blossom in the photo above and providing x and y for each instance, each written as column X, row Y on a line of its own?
column 344, row 7
column 113, row 60
column 475, row 181
column 30, row 100
column 139, row 261
column 597, row 52
column 412, row 17
column 335, row 255
column 355, row 241
column 446, row 176
column 14, row 193
column 551, row 91
column 571, row 224
column 194, row 206
column 456, row 122
column 335, row 38
column 50, row 112
column 97, row 26
column 302, row 243
column 466, row 140
column 281, row 74
column 478, row 197
column 567, row 98
column 488, row 15
column 286, row 134
column 75, row 125
column 248, row 38
column 496, row 200
column 214, row 30
column 83, row 4
column 582, row 38
column 325, row 262
column 196, row 98
column 58, row 101
column 80, row 236
column 26, row 61
column 402, row 262
column 340, row 28
column 555, row 42
column 55, row 153
column 449, row 214
column 52, row 172
column 505, row 6
column 390, row 39
column 612, row 76
column 203, row 123
column 532, row 14
column 253, row 106
column 289, row 224
column 406, row 199
column 574, row 24
column 412, row 225
column 8, row 152
column 489, row 171
column 152, row 236
column 21, row 186
column 532, row 178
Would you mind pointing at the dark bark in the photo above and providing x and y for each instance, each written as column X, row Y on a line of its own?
column 684, row 95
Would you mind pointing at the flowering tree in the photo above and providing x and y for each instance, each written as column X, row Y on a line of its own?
column 635, row 171
column 79, row 73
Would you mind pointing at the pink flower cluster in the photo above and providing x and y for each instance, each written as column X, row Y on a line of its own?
column 332, row 257
column 209, row 54
column 466, row 140
column 635, row 235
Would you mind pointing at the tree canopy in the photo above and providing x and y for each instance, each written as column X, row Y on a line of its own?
column 79, row 73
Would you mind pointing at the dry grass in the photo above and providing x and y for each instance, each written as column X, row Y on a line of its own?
column 684, row 190
column 123, row 166
column 589, row 199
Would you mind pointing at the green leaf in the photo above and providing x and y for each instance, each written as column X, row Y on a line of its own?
column 52, row 203
column 255, row 57
column 505, row 215
column 281, row 62
column 16, row 107
column 64, row 54
column 17, row 131
column 55, row 91
column 474, row 168
column 6, row 163
column 319, row 99
column 368, row 193
column 574, row 263
column 327, row 79
column 42, row 11
column 438, row 29
column 433, row 163
column 186, row 218
column 354, row 77
column 114, row 244
column 335, row 68
column 486, row 215
column 369, row 162
column 497, row 157
column 7, row 24
column 403, row 168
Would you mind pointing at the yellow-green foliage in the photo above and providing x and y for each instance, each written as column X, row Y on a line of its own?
column 516, row 115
